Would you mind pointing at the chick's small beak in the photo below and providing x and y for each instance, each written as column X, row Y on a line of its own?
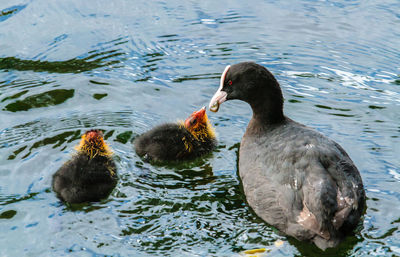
column 199, row 115
column 220, row 96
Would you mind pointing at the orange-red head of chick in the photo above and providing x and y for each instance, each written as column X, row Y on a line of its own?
column 93, row 144
column 199, row 126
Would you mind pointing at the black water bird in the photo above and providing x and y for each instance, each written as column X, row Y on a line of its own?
column 294, row 178
column 178, row 141
column 90, row 175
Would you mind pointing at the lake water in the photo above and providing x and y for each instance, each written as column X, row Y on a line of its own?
column 126, row 66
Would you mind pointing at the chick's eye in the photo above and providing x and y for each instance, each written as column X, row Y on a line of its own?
column 193, row 121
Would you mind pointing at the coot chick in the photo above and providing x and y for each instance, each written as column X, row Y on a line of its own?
column 178, row 141
column 91, row 173
column 294, row 178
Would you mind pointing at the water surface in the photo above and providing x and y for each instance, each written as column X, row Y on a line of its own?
column 125, row 66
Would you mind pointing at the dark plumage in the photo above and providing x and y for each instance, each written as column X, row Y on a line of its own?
column 294, row 178
column 182, row 141
column 91, row 173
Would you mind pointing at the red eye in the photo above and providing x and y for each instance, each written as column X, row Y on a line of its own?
column 230, row 82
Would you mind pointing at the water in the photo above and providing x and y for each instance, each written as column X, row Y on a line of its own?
column 126, row 66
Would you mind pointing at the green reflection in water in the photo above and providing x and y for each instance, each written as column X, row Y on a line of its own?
column 197, row 77
column 74, row 65
column 56, row 141
column 331, row 108
column 10, row 199
column 11, row 11
column 16, row 152
column 49, row 98
column 99, row 96
column 8, row 214
column 124, row 137
column 15, row 96
column 376, row 107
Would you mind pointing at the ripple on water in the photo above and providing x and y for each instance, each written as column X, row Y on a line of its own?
column 25, row 139
column 10, row 11
column 124, row 68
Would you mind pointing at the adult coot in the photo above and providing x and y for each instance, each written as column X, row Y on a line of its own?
column 294, row 178
column 178, row 141
column 91, row 173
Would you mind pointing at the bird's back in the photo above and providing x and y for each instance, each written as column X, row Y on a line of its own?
column 82, row 179
column 301, row 182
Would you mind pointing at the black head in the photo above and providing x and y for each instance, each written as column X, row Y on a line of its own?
column 254, row 84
